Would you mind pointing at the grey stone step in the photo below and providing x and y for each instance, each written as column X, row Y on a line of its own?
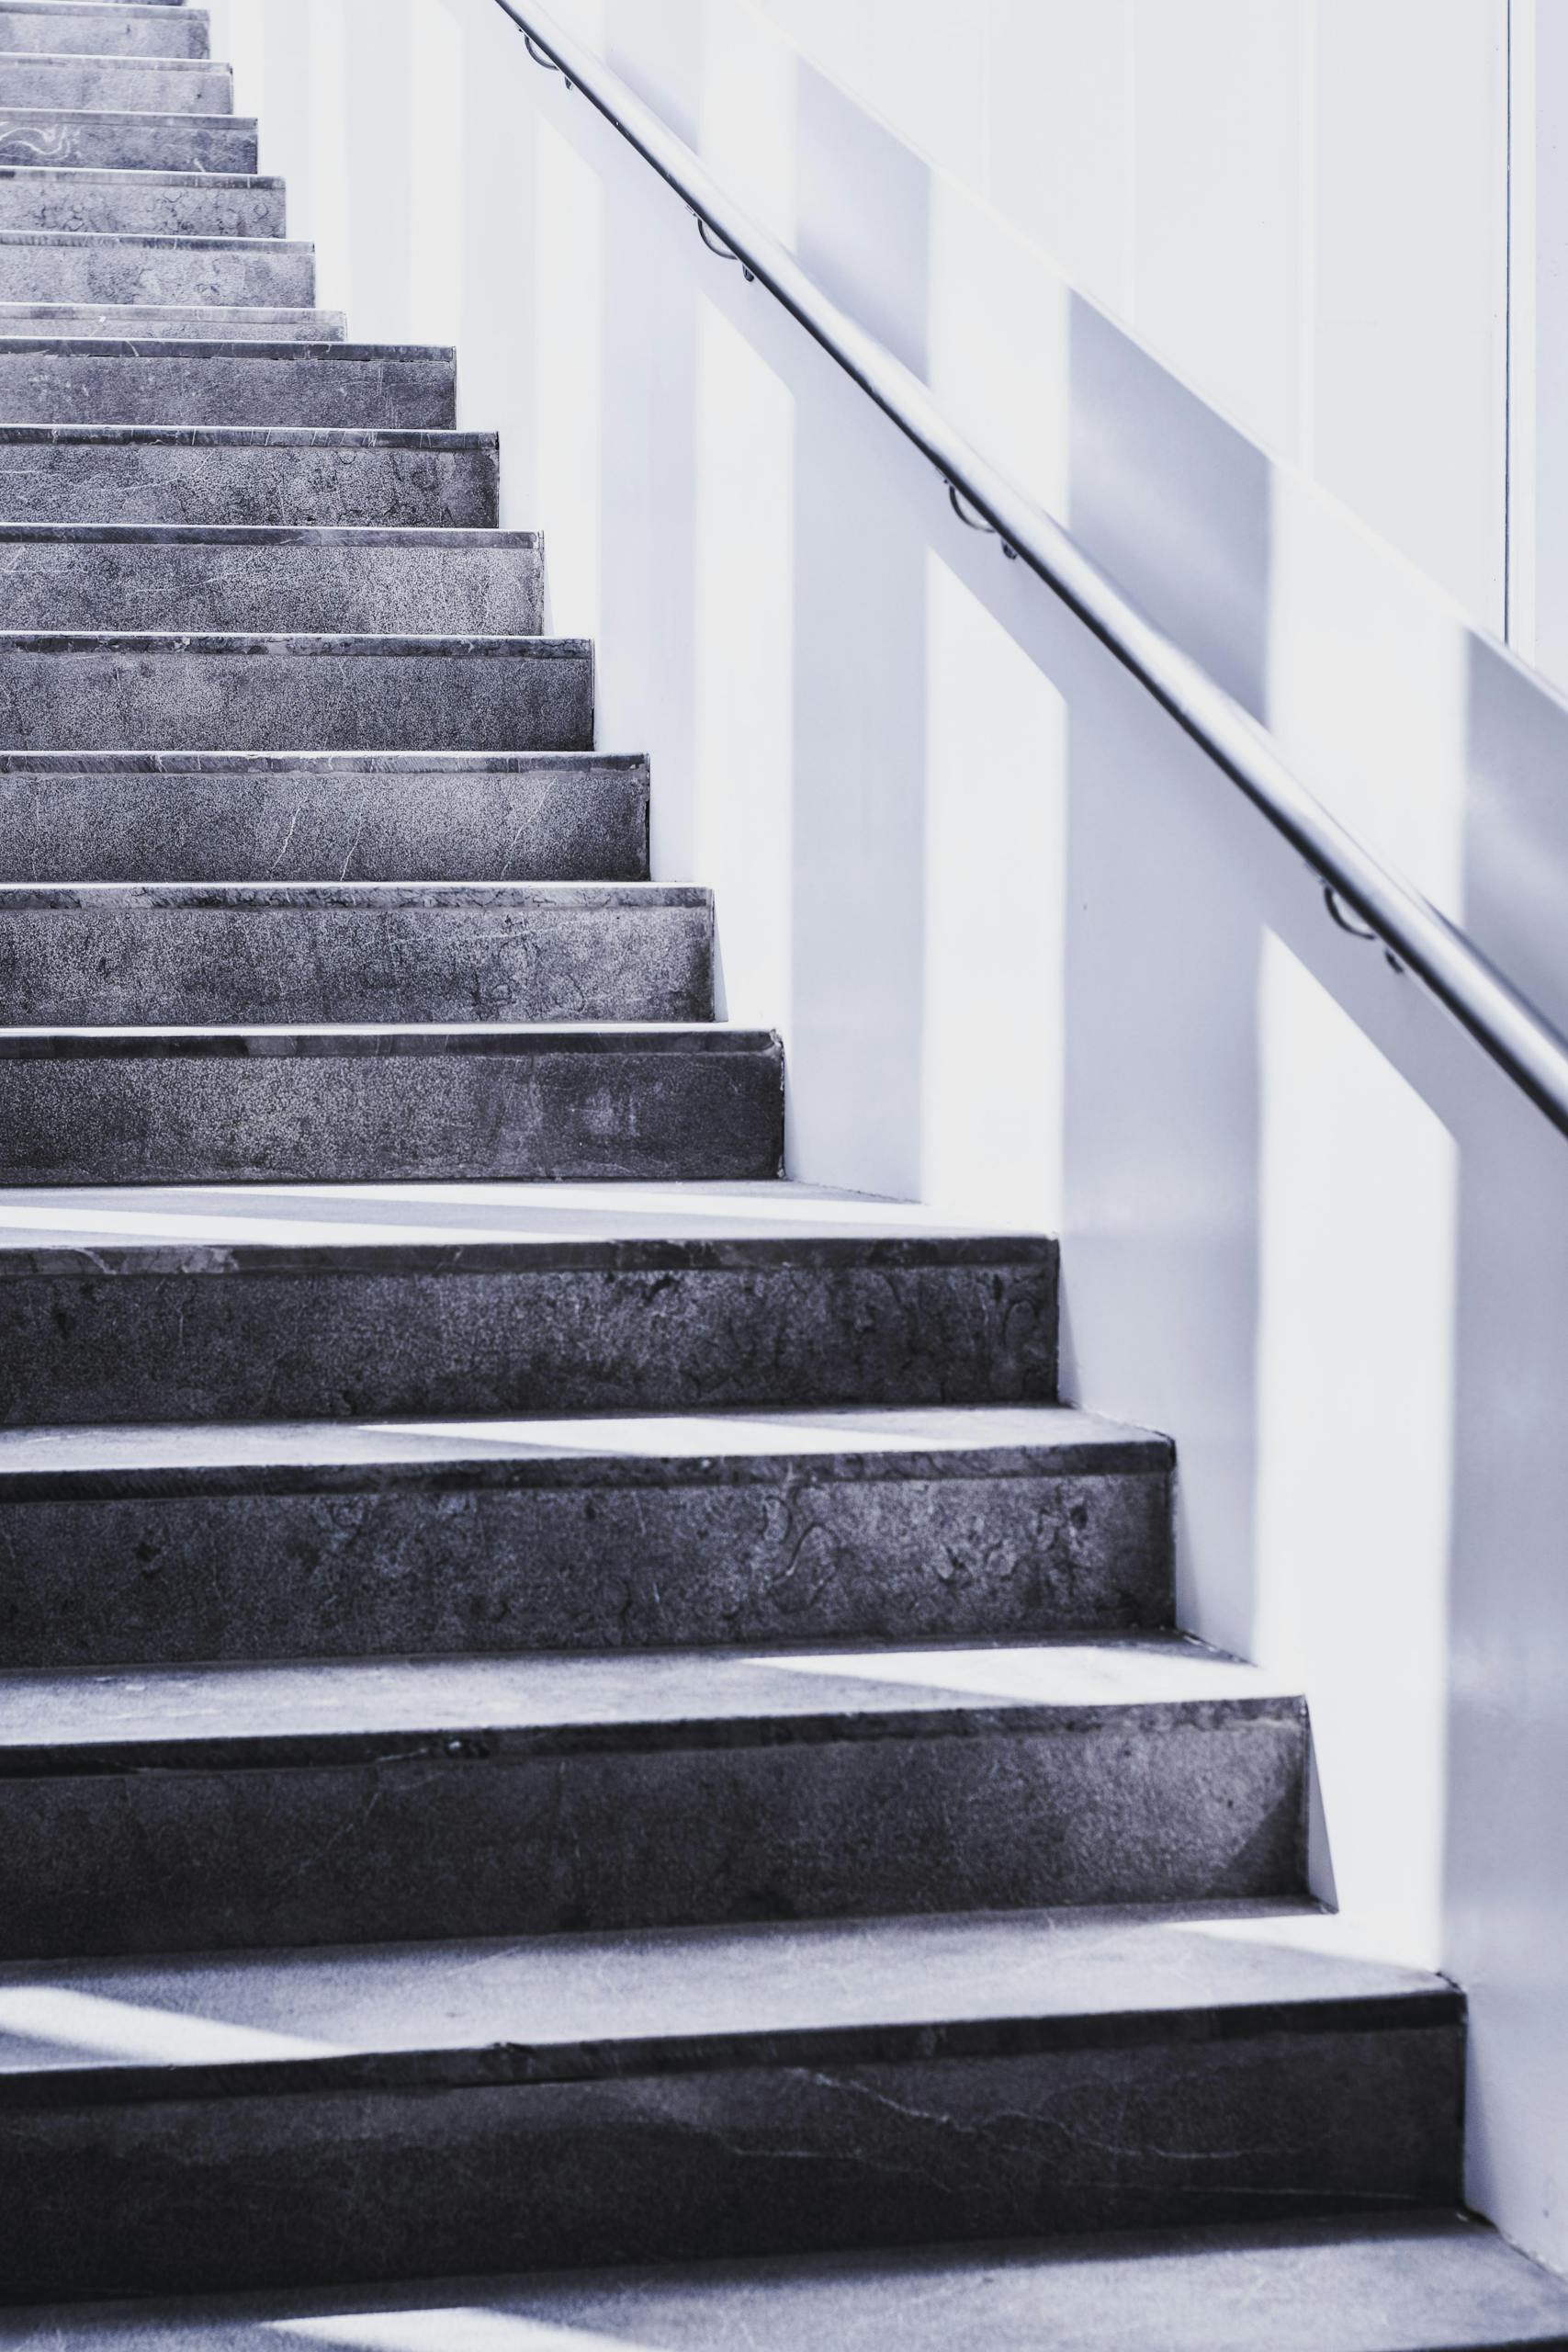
column 202, row 1304
column 160, row 204
column 188, row 324
column 432, row 1104
column 99, row 692
column 177, row 381
column 458, row 816
column 94, row 30
column 115, row 953
column 275, row 2120
column 35, row 131
column 266, row 581
column 117, row 85
column 1436, row 2281
column 267, row 474
column 133, row 1546
column 46, row 265
column 373, row 1800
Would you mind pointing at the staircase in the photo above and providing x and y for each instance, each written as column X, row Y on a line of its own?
column 568, row 1703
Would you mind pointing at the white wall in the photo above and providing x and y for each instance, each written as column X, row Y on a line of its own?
column 1030, row 958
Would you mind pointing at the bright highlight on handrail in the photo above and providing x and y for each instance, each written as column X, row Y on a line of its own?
column 1418, row 938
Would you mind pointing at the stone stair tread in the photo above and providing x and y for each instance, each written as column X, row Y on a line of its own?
column 134, row 344
column 579, row 2004
column 128, row 177
column 126, row 139
column 75, row 239
column 723, row 1446
column 421, row 538
column 170, row 898
column 245, row 436
column 347, row 1708
column 1423, row 2282
column 144, row 327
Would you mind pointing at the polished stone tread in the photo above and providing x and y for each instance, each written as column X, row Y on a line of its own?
column 1429, row 2282
column 186, row 326
column 103, row 268
column 112, row 953
column 176, row 580
column 528, row 816
column 88, row 29
column 163, row 380
column 98, row 690
column 171, row 204
column 269, row 475
column 106, row 138
column 124, row 84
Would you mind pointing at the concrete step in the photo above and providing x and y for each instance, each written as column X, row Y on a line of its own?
column 255, row 474
column 158, row 204
column 171, row 380
column 401, row 1103
column 291, row 2120
column 268, row 581
column 135, row 138
column 118, row 85
column 80, row 26
column 289, row 817
column 359, row 1301
column 118, row 954
column 347, row 1801
column 42, row 265
column 99, row 692
column 1434, row 2281
column 138, row 1547
column 189, row 325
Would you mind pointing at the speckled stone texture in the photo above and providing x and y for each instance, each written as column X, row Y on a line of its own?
column 38, row 266
column 33, row 131
column 373, row 1802
column 237, row 1333
column 123, row 954
column 321, row 1542
column 152, row 323
column 237, row 692
column 158, row 204
column 167, row 380
column 139, row 1106
column 265, row 580
column 95, row 31
column 187, row 474
column 125, row 85
column 519, row 817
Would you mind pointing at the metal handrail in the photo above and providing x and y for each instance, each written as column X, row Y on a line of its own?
column 1417, row 937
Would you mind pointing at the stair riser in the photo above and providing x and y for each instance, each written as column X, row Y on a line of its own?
column 46, row 386
column 324, row 586
column 207, row 967
column 121, row 482
column 967, row 1814
column 429, row 1118
column 444, row 1569
column 81, row 1346
column 140, row 271
column 295, row 2190
column 288, row 702
column 125, row 85
column 80, row 203
column 570, row 823
column 32, row 131
column 60, row 32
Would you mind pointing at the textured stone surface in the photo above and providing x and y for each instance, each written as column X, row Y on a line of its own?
column 475, row 1300
column 269, row 580
column 164, row 381
column 98, row 31
column 465, row 817
column 141, row 1545
column 145, row 1107
column 33, row 131
column 288, row 693
column 1427, row 2282
column 189, row 474
column 120, row 953
column 152, row 323
column 330, row 1803
column 161, row 204
column 125, row 85
column 40, row 266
